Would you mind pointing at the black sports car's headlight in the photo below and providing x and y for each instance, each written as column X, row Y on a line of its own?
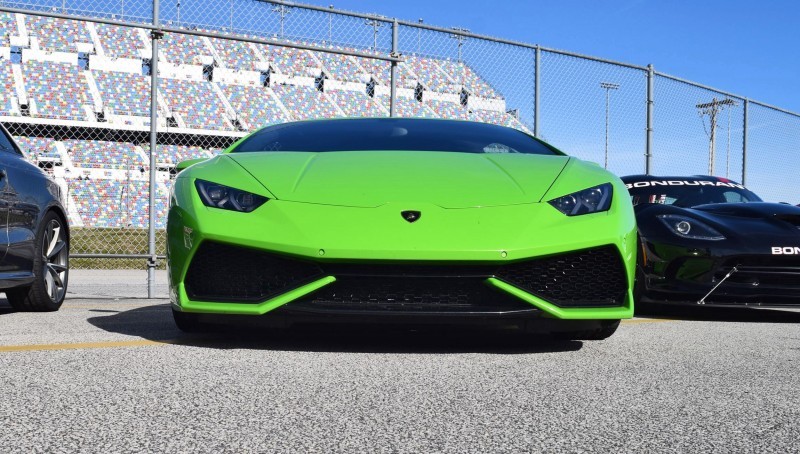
column 687, row 227
column 592, row 200
column 220, row 196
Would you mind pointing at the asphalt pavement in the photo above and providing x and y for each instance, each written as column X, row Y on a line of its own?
column 110, row 372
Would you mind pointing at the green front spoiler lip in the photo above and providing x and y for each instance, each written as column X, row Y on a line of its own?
column 576, row 313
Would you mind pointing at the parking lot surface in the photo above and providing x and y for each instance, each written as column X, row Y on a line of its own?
column 110, row 372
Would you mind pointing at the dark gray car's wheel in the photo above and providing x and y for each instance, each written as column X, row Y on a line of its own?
column 50, row 269
column 606, row 329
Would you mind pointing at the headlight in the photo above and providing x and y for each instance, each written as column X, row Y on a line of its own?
column 592, row 200
column 687, row 227
column 219, row 196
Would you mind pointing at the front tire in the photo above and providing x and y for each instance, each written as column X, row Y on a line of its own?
column 50, row 269
column 606, row 329
column 187, row 322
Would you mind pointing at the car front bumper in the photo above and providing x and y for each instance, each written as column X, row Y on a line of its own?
column 451, row 250
column 678, row 274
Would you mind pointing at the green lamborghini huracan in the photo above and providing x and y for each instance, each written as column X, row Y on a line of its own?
column 401, row 220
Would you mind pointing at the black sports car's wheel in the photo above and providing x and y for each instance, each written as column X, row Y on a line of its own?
column 187, row 322
column 607, row 328
column 50, row 268
column 638, row 281
column 638, row 285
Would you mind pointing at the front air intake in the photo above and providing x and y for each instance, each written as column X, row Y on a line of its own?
column 220, row 272
column 591, row 277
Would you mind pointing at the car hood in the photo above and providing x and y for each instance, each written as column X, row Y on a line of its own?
column 753, row 210
column 373, row 178
column 756, row 218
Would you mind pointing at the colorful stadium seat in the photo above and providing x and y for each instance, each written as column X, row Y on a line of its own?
column 56, row 34
column 255, row 105
column 306, row 102
column 120, row 42
column 59, row 89
column 104, row 154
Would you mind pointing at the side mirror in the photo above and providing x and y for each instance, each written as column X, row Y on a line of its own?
column 184, row 164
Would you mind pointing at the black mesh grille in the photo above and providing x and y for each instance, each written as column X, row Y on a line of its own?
column 593, row 277
column 412, row 294
column 780, row 277
column 762, row 271
column 766, row 261
column 220, row 272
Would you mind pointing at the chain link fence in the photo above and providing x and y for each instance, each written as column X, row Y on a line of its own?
column 77, row 77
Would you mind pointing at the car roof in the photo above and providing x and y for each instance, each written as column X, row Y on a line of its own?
column 634, row 178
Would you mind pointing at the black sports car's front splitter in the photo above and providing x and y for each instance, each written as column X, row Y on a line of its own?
column 717, row 276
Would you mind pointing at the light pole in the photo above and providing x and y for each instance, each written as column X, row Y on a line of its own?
column 419, row 34
column 712, row 109
column 283, row 10
column 461, row 38
column 608, row 86
column 330, row 25
column 375, row 24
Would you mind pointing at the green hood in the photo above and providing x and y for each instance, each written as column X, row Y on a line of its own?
column 372, row 178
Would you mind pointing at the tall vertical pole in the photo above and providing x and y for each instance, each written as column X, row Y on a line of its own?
column 536, row 79
column 712, row 109
column 393, row 87
column 419, row 36
column 711, row 143
column 155, row 35
column 608, row 91
column 648, row 154
column 728, row 149
column 744, row 143
column 607, row 86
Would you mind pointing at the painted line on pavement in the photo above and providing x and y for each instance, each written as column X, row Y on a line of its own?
column 636, row 321
column 84, row 345
column 114, row 305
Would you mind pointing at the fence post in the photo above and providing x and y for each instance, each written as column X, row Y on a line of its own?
column 155, row 35
column 393, row 84
column 744, row 143
column 648, row 156
column 536, row 59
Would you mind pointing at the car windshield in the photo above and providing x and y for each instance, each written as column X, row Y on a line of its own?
column 689, row 193
column 408, row 134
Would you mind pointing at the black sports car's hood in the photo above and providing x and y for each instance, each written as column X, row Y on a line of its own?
column 758, row 210
column 744, row 225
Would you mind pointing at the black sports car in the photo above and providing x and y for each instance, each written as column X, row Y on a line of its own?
column 34, row 234
column 708, row 240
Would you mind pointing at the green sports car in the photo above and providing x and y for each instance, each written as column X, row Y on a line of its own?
column 401, row 220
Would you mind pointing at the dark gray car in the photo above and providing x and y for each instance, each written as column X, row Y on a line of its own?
column 34, row 233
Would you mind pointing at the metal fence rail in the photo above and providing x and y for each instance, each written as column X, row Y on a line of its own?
column 203, row 63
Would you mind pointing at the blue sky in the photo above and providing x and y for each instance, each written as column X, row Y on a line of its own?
column 745, row 47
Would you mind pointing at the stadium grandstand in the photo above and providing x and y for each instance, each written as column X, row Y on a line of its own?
column 77, row 99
